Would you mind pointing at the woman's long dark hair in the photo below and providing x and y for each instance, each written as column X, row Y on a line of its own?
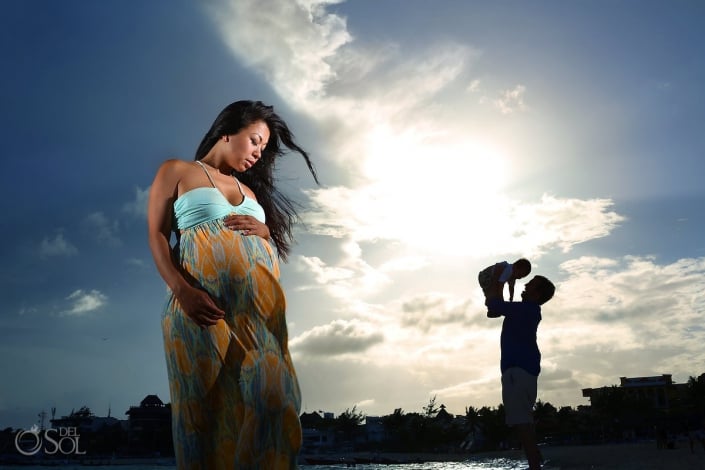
column 279, row 209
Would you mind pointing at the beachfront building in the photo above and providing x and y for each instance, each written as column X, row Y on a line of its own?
column 374, row 429
column 318, row 435
column 641, row 407
column 84, row 421
column 659, row 392
column 149, row 428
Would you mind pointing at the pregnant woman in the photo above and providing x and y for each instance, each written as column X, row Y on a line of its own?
column 235, row 398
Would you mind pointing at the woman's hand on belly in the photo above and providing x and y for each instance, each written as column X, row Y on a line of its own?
column 199, row 306
column 247, row 225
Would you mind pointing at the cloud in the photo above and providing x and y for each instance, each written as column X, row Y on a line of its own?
column 511, row 101
column 290, row 48
column 27, row 310
column 138, row 206
column 420, row 183
column 520, row 226
column 102, row 229
column 561, row 222
column 364, row 403
column 627, row 316
column 352, row 276
column 337, row 338
column 433, row 309
column 57, row 246
column 389, row 131
column 405, row 263
column 611, row 317
column 634, row 288
column 135, row 262
column 82, row 303
column 473, row 86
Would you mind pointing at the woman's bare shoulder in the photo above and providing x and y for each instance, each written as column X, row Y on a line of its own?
column 175, row 167
column 247, row 190
column 175, row 164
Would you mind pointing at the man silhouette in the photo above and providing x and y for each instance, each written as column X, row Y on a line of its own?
column 521, row 359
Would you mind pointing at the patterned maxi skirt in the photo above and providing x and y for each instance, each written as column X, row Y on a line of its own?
column 235, row 398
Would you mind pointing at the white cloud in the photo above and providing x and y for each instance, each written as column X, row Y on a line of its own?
column 290, row 48
column 433, row 309
column 57, row 246
column 27, row 310
column 82, row 303
column 337, row 338
column 610, row 317
column 102, row 229
column 351, row 278
column 405, row 263
column 628, row 316
column 511, row 101
column 138, row 206
column 474, row 86
column 517, row 226
column 386, row 126
column 421, row 177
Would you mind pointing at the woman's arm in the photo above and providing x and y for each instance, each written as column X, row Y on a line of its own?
column 196, row 303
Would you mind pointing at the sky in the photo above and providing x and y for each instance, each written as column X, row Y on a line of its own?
column 447, row 136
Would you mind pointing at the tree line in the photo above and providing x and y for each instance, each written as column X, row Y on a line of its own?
column 613, row 416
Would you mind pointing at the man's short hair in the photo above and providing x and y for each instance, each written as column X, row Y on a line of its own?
column 545, row 288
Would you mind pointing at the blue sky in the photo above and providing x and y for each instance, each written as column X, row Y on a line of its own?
column 448, row 135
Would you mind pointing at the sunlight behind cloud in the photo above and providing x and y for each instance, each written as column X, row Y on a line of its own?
column 415, row 175
column 419, row 185
column 422, row 188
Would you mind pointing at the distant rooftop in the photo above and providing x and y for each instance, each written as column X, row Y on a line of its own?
column 657, row 380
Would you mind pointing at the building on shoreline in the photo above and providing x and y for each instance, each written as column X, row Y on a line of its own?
column 659, row 392
column 149, row 428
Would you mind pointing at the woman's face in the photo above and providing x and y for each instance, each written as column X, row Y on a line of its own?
column 245, row 148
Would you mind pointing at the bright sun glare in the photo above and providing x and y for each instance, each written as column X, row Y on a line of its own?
column 421, row 186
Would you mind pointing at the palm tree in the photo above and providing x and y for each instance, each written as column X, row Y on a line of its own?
column 696, row 391
column 349, row 421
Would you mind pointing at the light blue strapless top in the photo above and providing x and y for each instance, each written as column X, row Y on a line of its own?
column 201, row 205
column 205, row 204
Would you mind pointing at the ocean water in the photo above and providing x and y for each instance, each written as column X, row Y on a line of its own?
column 480, row 464
column 486, row 464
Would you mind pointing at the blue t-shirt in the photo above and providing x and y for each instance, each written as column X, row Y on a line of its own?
column 518, row 340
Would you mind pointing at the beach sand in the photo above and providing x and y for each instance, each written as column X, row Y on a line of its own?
column 637, row 456
column 640, row 456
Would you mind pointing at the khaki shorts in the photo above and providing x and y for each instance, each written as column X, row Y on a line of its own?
column 518, row 396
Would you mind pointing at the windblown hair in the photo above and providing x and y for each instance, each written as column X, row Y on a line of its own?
column 546, row 289
column 279, row 210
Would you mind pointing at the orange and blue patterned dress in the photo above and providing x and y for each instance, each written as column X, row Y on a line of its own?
column 235, row 398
